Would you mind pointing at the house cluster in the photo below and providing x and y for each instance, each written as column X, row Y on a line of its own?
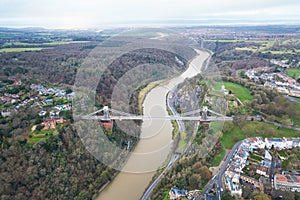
column 18, row 103
column 56, row 92
column 279, row 81
column 240, row 159
column 25, row 102
column 9, row 98
column 281, row 63
column 176, row 193
column 15, row 80
column 52, row 91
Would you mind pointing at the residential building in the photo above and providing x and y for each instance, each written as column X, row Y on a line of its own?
column 176, row 193
column 287, row 182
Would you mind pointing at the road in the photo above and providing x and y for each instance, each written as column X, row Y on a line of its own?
column 217, row 179
column 149, row 190
column 170, row 103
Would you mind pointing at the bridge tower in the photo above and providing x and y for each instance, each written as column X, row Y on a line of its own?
column 106, row 116
column 204, row 112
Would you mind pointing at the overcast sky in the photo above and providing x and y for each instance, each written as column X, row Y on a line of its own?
column 91, row 13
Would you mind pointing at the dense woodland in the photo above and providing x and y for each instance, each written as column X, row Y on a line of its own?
column 60, row 167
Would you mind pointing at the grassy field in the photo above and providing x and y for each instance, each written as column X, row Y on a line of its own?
column 264, row 47
column 283, row 52
column 37, row 136
column 291, row 41
column 234, row 134
column 239, row 91
column 6, row 50
column 293, row 72
column 218, row 158
column 265, row 50
column 253, row 49
column 27, row 44
column 216, row 126
column 231, row 41
column 182, row 141
column 167, row 195
column 254, row 157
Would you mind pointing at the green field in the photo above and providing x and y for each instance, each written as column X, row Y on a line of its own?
column 216, row 126
column 27, row 44
column 239, row 91
column 293, row 72
column 182, row 141
column 254, row 157
column 265, row 46
column 265, row 50
column 291, row 41
column 7, row 50
column 231, row 41
column 37, row 136
column 233, row 133
column 218, row 158
column 283, row 52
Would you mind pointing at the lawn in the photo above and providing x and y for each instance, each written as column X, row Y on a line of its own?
column 216, row 126
column 253, row 49
column 231, row 41
column 293, row 72
column 6, row 50
column 27, row 44
column 239, row 91
column 254, row 157
column 280, row 52
column 37, row 136
column 218, row 158
column 234, row 133
column 167, row 195
column 182, row 141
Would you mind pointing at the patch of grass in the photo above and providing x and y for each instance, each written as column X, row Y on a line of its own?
column 280, row 52
column 218, row 158
column 254, row 157
column 239, row 91
column 39, row 135
column 167, row 195
column 291, row 41
column 234, row 133
column 27, row 44
column 231, row 41
column 182, row 141
column 63, row 42
column 293, row 73
column 282, row 154
column 7, row 50
column 253, row 49
column 216, row 126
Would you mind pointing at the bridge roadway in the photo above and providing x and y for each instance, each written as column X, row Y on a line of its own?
column 142, row 117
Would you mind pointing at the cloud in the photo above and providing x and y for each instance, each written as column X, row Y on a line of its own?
column 91, row 12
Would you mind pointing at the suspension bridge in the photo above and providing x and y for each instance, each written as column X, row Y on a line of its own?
column 204, row 114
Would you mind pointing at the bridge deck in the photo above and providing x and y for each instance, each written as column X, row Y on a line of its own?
column 139, row 117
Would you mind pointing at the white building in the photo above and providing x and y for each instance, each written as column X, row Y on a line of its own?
column 277, row 143
column 287, row 182
column 233, row 183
